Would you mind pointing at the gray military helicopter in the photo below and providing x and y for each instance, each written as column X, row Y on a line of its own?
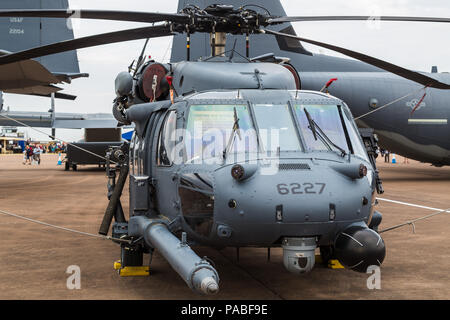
column 228, row 151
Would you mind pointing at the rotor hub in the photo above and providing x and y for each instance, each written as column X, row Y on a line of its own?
column 222, row 18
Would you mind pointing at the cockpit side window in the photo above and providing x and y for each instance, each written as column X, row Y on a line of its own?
column 132, row 156
column 167, row 140
column 358, row 146
column 137, row 155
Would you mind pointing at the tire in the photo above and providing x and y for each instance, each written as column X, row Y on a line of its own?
column 67, row 166
column 74, row 167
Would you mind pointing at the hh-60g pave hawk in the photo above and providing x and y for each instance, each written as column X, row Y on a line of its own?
column 229, row 152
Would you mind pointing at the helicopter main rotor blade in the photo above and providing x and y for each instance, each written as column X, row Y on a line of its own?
column 90, row 41
column 97, row 14
column 402, row 72
column 356, row 18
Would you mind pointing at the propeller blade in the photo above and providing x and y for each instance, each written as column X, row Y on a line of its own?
column 90, row 41
column 402, row 72
column 356, row 18
column 97, row 14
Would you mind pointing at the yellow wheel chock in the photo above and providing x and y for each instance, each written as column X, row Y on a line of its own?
column 332, row 264
column 139, row 271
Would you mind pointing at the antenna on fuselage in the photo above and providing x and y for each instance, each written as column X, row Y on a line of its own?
column 140, row 60
column 232, row 51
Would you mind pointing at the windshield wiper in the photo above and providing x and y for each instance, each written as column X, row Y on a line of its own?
column 317, row 131
column 236, row 130
column 311, row 124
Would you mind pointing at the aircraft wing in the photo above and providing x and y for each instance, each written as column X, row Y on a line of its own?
column 43, row 91
column 25, row 74
column 58, row 120
column 38, row 76
column 32, row 78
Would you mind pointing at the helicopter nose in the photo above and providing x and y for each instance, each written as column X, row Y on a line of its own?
column 302, row 199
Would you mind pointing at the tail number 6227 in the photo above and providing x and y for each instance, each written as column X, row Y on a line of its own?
column 297, row 188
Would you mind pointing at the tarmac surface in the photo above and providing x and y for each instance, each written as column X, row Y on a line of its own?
column 35, row 257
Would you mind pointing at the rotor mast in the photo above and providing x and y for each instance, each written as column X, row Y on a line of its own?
column 218, row 41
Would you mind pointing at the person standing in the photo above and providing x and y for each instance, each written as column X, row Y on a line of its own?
column 37, row 154
column 386, row 156
column 41, row 151
column 29, row 153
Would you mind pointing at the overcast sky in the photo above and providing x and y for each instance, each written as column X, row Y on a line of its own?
column 416, row 46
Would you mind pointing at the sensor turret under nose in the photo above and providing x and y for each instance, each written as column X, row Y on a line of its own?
column 299, row 254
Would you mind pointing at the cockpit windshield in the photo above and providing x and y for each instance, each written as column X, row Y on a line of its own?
column 328, row 120
column 214, row 130
column 276, row 128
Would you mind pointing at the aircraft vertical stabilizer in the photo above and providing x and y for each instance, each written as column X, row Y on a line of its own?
column 18, row 34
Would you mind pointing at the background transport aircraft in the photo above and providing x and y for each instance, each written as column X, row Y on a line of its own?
column 41, row 75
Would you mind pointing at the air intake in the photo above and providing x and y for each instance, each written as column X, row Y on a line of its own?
column 293, row 166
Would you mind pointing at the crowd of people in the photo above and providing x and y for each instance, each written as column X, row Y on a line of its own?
column 56, row 147
column 32, row 152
